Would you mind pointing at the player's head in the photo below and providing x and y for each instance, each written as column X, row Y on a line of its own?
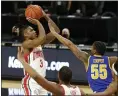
column 25, row 31
column 115, row 68
column 98, row 48
column 66, row 33
column 65, row 74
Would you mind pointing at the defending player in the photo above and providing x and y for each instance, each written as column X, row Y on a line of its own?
column 97, row 65
column 112, row 88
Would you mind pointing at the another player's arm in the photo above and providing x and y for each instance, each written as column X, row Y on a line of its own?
column 112, row 88
column 83, row 56
column 50, row 37
column 41, row 37
column 52, row 87
column 113, row 59
column 82, row 92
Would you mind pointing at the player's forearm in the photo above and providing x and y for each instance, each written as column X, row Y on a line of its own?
column 52, row 23
column 42, row 35
column 39, row 79
column 49, row 38
column 29, row 69
column 69, row 5
column 63, row 40
column 41, row 30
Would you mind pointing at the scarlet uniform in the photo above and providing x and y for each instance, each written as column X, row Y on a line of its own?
column 71, row 91
column 36, row 60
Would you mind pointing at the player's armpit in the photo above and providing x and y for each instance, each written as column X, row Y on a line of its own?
column 33, row 43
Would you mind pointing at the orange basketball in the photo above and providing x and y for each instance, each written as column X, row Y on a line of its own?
column 33, row 11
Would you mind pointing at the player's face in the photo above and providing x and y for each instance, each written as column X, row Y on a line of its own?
column 30, row 33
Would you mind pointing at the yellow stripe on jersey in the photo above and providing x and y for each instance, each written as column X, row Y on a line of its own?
column 88, row 63
column 109, row 63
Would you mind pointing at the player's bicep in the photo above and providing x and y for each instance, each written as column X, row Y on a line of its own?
column 33, row 43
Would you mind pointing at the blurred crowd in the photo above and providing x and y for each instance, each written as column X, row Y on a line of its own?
column 62, row 8
column 78, row 8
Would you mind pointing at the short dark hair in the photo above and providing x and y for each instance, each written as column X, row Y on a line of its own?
column 100, row 47
column 21, row 28
column 65, row 74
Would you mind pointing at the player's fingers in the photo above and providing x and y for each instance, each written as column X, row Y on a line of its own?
column 22, row 49
column 18, row 49
column 28, row 18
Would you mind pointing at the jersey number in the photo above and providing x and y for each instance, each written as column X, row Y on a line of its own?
column 98, row 71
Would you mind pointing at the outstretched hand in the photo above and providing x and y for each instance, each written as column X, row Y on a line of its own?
column 20, row 54
column 33, row 21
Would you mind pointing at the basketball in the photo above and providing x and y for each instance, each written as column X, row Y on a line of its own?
column 33, row 11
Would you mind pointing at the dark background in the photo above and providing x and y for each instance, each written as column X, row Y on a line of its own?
column 83, row 29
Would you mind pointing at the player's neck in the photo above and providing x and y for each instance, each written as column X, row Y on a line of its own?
column 67, row 84
column 96, row 54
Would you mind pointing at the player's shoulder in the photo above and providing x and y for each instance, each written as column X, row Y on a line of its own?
column 113, row 59
column 26, row 42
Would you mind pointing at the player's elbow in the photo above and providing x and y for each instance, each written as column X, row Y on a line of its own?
column 68, row 43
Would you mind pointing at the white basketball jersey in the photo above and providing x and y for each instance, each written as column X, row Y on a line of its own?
column 71, row 91
column 37, row 62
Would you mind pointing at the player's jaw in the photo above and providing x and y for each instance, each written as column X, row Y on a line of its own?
column 34, row 35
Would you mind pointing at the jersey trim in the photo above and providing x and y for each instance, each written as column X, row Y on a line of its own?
column 25, row 85
column 97, row 55
column 88, row 63
column 116, row 73
column 62, row 90
column 109, row 63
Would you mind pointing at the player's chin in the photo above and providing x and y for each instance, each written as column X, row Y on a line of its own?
column 35, row 36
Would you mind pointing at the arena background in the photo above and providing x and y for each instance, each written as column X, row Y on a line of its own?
column 85, row 28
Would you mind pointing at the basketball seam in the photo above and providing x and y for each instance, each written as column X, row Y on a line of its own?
column 27, row 11
column 34, row 11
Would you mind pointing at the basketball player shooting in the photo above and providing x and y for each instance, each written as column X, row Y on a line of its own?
column 33, row 53
column 97, row 65
column 65, row 75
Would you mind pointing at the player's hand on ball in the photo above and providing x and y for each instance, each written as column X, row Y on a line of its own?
column 33, row 21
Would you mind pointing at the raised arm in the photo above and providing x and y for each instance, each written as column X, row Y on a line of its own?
column 113, row 59
column 52, row 87
column 41, row 37
column 49, row 36
column 83, row 56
